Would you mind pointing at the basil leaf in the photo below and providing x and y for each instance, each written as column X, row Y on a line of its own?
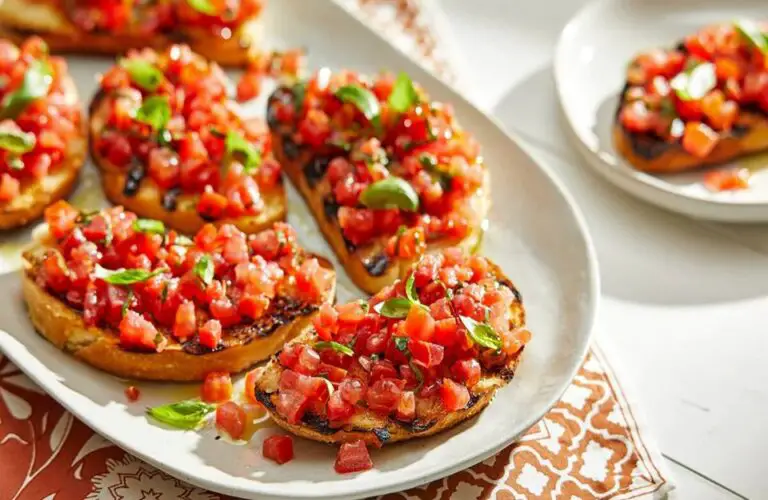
column 481, row 333
column 203, row 6
column 416, row 373
column 36, row 84
column 16, row 141
column 403, row 96
column 155, row 112
column 392, row 192
column 340, row 348
column 143, row 73
column 394, row 308
column 187, row 414
column 752, row 34
column 127, row 304
column 299, row 91
column 694, row 84
column 125, row 276
column 204, row 269
column 410, row 289
column 363, row 99
column 150, row 226
column 184, row 241
column 236, row 144
column 401, row 343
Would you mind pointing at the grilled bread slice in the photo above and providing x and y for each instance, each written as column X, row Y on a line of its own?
column 49, row 20
column 376, row 429
column 34, row 194
column 369, row 266
column 56, row 318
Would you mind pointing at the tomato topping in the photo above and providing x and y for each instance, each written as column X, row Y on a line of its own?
column 210, row 334
column 406, row 408
column 698, row 139
column 278, row 449
column 338, row 409
column 383, row 396
column 217, row 387
column 466, row 371
column 232, row 419
column 185, row 324
column 419, row 324
column 454, row 396
column 138, row 333
column 326, row 322
column 132, row 393
column 353, row 457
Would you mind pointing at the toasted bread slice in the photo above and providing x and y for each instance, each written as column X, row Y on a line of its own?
column 47, row 19
column 369, row 267
column 241, row 346
column 376, row 429
column 58, row 184
column 147, row 201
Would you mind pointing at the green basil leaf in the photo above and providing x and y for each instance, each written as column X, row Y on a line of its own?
column 204, row 269
column 340, row 348
column 203, row 6
column 150, row 226
column 143, row 73
column 236, row 144
column 694, row 84
column 36, row 84
column 481, row 333
column 410, row 289
column 394, row 308
column 299, row 91
column 155, row 112
column 403, row 96
column 401, row 343
column 363, row 99
column 391, row 192
column 127, row 304
column 125, row 276
column 416, row 373
column 749, row 30
column 188, row 414
column 16, row 141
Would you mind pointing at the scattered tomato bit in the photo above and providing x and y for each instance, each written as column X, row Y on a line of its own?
column 279, row 449
column 353, row 457
column 232, row 419
column 132, row 393
column 727, row 180
column 217, row 388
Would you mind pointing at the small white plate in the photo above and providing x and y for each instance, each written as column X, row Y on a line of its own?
column 536, row 234
column 590, row 61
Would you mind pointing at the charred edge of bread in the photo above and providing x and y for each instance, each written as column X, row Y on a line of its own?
column 241, row 347
column 384, row 430
column 369, row 267
column 36, row 195
column 22, row 19
column 137, row 193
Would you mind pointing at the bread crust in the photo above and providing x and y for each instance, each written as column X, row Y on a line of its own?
column 243, row 346
column 375, row 429
column 388, row 269
column 22, row 18
column 36, row 195
column 147, row 201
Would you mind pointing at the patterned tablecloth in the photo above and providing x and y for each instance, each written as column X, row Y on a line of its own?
column 588, row 446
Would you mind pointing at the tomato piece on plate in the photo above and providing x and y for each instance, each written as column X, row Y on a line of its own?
column 454, row 396
column 699, row 139
column 727, row 180
column 132, row 393
column 278, row 449
column 353, row 457
column 217, row 387
column 231, row 418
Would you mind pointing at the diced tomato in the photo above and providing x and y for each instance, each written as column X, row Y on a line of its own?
column 138, row 333
column 211, row 205
column 61, row 217
column 339, row 410
column 331, row 372
column 10, row 187
column 326, row 322
column 312, row 279
column 250, row 386
column 132, row 393
column 292, row 405
column 382, row 369
column 351, row 313
column 383, row 396
column 289, row 355
column 352, row 390
column 210, row 334
column 217, row 387
column 185, row 324
column 727, row 180
column 315, row 128
column 466, row 371
column 419, row 324
column 698, row 139
column 406, row 408
column 279, row 449
column 454, row 396
column 308, row 361
column 232, row 419
column 353, row 457
column 312, row 387
column 513, row 341
column 253, row 306
column 249, row 86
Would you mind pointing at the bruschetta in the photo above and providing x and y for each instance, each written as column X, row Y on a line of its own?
column 227, row 32
column 42, row 133
column 701, row 103
column 172, row 146
column 134, row 299
column 388, row 173
column 418, row 358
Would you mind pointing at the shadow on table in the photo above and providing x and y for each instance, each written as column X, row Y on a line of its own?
column 646, row 254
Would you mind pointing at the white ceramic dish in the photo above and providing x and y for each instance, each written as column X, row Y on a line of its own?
column 590, row 60
column 536, row 234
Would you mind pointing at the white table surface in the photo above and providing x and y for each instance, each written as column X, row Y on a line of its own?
column 684, row 314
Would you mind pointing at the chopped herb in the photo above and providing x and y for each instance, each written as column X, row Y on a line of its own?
column 397, row 307
column 164, row 293
column 125, row 276
column 404, row 95
column 750, row 31
column 127, row 304
column 155, row 112
column 363, row 99
column 35, row 85
column 363, row 305
column 143, row 73
column 203, row 6
column 299, row 91
column 16, row 141
column 150, row 226
column 340, row 348
column 391, row 192
column 236, row 144
column 188, row 414
column 481, row 333
column 401, row 343
column 204, row 269
column 695, row 83
column 410, row 289
column 416, row 373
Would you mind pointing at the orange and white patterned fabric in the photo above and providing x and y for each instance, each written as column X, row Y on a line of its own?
column 588, row 446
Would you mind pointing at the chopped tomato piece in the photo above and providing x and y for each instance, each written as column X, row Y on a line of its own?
column 406, row 408
column 210, row 334
column 338, row 409
column 326, row 322
column 727, row 180
column 292, row 405
column 217, row 387
column 132, row 393
column 138, row 333
column 352, row 313
column 419, row 324
column 454, row 396
column 185, row 324
column 250, row 386
column 466, row 371
column 352, row 390
column 698, row 139
column 383, row 396
column 279, row 449
column 61, row 217
column 426, row 353
column 308, row 361
column 353, row 457
column 231, row 418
